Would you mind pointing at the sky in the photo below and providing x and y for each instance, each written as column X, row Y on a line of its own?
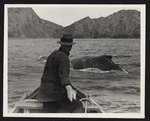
column 67, row 14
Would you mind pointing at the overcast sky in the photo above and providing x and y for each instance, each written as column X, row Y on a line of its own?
column 67, row 14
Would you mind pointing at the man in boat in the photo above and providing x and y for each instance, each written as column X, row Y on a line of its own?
column 56, row 91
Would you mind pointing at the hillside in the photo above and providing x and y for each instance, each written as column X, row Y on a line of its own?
column 25, row 23
column 123, row 24
column 53, row 29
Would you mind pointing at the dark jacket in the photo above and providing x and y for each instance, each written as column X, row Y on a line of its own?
column 55, row 77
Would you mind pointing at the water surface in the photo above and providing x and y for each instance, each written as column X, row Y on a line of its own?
column 116, row 92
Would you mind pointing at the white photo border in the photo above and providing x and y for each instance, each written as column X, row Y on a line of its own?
column 78, row 115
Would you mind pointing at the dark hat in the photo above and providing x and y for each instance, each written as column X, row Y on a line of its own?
column 66, row 40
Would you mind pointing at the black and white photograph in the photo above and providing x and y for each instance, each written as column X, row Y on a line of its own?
column 74, row 60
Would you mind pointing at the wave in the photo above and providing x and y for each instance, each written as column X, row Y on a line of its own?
column 131, row 64
column 17, row 74
column 122, row 56
column 96, row 70
column 42, row 59
column 132, row 90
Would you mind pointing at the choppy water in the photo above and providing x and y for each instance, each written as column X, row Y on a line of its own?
column 114, row 91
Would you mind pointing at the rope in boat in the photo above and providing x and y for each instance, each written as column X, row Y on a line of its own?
column 91, row 101
column 86, row 102
column 86, row 98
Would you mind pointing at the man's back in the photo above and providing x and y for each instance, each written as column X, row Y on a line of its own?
column 55, row 76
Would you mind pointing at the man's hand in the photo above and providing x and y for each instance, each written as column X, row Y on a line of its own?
column 70, row 93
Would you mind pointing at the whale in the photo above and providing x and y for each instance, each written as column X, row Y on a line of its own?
column 103, row 63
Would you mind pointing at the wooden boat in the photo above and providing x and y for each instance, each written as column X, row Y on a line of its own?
column 29, row 103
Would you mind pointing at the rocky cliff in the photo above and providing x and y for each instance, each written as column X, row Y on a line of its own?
column 123, row 24
column 24, row 23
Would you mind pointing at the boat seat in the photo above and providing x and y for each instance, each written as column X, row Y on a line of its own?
column 27, row 105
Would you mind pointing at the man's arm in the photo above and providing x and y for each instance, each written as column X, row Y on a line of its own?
column 64, row 70
column 71, row 93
